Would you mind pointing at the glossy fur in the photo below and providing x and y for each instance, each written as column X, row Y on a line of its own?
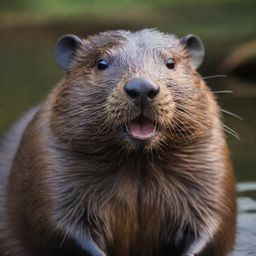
column 79, row 181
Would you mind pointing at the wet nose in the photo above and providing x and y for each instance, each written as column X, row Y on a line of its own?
column 141, row 90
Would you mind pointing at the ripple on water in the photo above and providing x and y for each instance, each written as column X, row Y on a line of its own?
column 246, row 230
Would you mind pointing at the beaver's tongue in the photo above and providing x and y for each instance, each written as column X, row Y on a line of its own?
column 141, row 128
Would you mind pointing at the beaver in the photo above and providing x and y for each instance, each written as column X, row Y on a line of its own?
column 126, row 156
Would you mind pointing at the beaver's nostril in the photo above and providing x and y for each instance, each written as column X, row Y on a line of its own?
column 141, row 90
column 132, row 93
column 152, row 93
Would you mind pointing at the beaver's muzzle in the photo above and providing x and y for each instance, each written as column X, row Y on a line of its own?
column 141, row 91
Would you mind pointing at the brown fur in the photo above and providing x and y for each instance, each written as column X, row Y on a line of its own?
column 77, row 172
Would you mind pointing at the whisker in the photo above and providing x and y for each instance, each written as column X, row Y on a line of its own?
column 190, row 90
column 230, row 113
column 177, row 122
column 180, row 88
column 222, row 91
column 180, row 129
column 186, row 89
column 188, row 109
column 231, row 132
column 200, row 91
column 214, row 76
column 75, row 136
column 65, row 237
column 188, row 117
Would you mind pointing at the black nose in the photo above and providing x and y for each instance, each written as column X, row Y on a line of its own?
column 141, row 90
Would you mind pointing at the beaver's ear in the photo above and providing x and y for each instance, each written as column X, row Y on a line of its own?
column 65, row 49
column 195, row 48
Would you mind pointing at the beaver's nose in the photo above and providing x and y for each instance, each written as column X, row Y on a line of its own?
column 141, row 90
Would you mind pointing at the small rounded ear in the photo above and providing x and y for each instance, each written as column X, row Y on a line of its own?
column 65, row 49
column 195, row 48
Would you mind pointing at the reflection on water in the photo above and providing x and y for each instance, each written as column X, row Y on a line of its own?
column 246, row 186
column 246, row 233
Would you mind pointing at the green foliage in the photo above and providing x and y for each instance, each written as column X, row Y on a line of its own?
column 100, row 5
column 14, row 4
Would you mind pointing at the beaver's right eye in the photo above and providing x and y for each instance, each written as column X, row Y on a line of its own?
column 102, row 64
column 170, row 63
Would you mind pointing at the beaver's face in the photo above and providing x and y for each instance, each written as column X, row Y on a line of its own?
column 137, row 90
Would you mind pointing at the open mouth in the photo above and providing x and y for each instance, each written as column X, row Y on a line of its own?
column 141, row 128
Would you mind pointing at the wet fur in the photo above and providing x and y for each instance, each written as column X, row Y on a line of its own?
column 77, row 173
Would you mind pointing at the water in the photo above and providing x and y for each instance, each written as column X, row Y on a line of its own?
column 246, row 236
column 28, row 71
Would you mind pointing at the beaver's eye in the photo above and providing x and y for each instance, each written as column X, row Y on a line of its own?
column 170, row 63
column 102, row 64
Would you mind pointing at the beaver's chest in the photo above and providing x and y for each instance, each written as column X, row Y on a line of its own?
column 147, row 216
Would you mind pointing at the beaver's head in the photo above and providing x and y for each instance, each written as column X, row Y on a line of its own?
column 130, row 90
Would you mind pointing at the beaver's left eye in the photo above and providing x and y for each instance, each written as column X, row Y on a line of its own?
column 170, row 63
column 102, row 64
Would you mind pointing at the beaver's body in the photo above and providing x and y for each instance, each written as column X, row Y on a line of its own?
column 124, row 158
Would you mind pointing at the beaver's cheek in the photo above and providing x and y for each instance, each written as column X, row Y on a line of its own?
column 118, row 108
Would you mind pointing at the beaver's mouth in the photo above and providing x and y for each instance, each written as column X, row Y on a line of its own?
column 141, row 128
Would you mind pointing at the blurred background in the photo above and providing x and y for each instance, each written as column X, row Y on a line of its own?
column 29, row 30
